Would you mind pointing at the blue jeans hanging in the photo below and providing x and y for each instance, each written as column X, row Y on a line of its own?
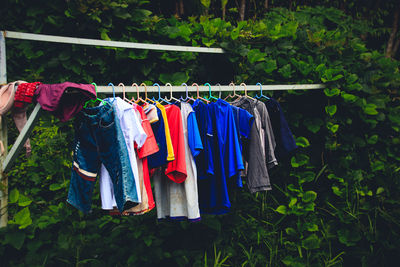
column 99, row 139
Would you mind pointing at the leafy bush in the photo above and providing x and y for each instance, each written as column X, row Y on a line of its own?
column 334, row 202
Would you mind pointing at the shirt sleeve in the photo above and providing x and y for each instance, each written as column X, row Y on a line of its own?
column 235, row 156
column 139, row 135
column 194, row 139
column 245, row 122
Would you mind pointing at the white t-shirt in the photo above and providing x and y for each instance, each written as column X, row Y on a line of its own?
column 133, row 132
column 181, row 200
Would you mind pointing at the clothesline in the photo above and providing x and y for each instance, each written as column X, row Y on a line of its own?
column 7, row 160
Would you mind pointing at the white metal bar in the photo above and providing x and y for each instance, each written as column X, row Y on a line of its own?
column 214, row 88
column 30, row 124
column 3, row 63
column 95, row 42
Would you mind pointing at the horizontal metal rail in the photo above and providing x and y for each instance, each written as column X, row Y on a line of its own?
column 202, row 88
column 95, row 42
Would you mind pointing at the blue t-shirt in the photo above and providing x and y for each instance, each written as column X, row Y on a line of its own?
column 204, row 158
column 160, row 158
column 194, row 139
column 243, row 120
column 226, row 156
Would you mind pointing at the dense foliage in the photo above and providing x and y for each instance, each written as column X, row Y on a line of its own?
column 335, row 202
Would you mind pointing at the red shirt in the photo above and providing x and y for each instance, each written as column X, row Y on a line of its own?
column 176, row 169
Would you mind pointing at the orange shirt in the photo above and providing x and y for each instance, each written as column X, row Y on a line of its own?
column 176, row 169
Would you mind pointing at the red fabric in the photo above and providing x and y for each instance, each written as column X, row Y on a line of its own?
column 176, row 169
column 24, row 94
column 150, row 145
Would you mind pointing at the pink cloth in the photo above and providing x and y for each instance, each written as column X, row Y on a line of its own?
column 52, row 97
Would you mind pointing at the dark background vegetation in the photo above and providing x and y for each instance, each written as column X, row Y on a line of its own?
column 335, row 202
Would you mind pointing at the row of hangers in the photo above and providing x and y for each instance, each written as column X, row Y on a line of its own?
column 146, row 100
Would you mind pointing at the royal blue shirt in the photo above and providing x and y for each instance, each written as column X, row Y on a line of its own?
column 243, row 120
column 226, row 156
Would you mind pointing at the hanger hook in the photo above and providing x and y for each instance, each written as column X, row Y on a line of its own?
column 123, row 89
column 197, row 88
column 159, row 90
column 113, row 90
column 187, row 94
column 137, row 89
column 259, row 84
column 209, row 89
column 219, row 86
column 233, row 85
column 145, row 90
column 170, row 90
column 95, row 88
column 245, row 88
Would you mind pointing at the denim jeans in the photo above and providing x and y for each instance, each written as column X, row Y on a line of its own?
column 99, row 139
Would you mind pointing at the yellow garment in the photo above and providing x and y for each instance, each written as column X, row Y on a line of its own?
column 170, row 149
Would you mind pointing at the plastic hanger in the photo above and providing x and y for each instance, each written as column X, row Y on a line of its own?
column 245, row 91
column 113, row 91
column 123, row 94
column 220, row 91
column 209, row 93
column 234, row 92
column 146, row 99
column 94, row 100
column 198, row 95
column 261, row 94
column 159, row 95
column 170, row 94
column 133, row 101
column 187, row 98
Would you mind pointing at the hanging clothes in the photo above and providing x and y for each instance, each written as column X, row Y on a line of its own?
column 180, row 200
column 257, row 171
column 283, row 135
column 225, row 156
column 99, row 139
column 149, row 147
column 133, row 134
column 53, row 98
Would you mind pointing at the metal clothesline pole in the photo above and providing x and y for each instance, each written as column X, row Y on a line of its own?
column 6, row 160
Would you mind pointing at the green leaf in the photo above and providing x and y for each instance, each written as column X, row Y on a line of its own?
column 281, row 209
column 380, row 190
column 16, row 239
column 286, row 71
column 206, row 3
column 370, row 109
column 302, row 141
column 331, row 110
column 270, row 65
column 307, row 176
column 291, row 231
column 104, row 36
column 313, row 124
column 13, row 196
column 309, row 196
column 23, row 218
column 255, row 55
column 292, row 202
column 331, row 92
column 311, row 242
column 299, row 160
column 24, row 201
column 349, row 97
column 148, row 240
column 235, row 33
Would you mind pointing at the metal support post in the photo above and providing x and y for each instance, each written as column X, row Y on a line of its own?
column 3, row 139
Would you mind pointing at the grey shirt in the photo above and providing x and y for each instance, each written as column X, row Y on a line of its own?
column 257, row 175
column 267, row 135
